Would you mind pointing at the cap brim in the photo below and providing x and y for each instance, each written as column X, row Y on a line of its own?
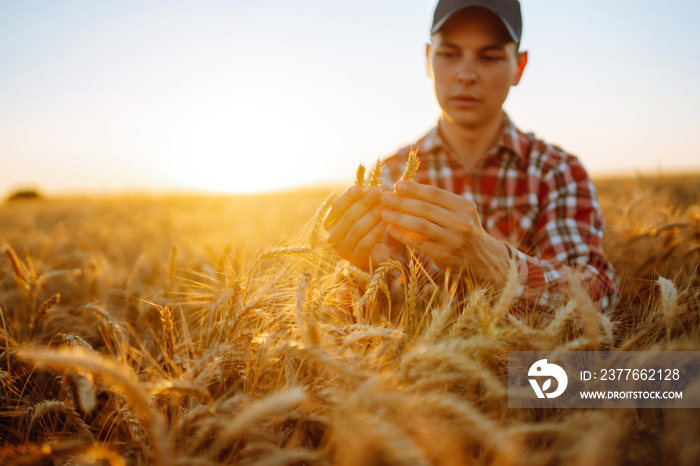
column 440, row 23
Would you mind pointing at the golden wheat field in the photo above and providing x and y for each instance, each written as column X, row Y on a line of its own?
column 221, row 330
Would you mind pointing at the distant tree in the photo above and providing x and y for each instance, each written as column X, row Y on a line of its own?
column 25, row 194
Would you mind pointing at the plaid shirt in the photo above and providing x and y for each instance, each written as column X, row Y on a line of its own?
column 534, row 197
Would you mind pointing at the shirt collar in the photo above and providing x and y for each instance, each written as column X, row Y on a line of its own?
column 508, row 139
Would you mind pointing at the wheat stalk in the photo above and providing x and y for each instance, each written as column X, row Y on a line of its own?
column 259, row 412
column 318, row 218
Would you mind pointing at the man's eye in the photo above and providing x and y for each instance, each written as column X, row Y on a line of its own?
column 493, row 57
column 446, row 54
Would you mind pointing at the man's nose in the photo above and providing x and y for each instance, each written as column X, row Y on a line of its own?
column 466, row 71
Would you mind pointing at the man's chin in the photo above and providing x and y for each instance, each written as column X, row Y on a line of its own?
column 465, row 121
column 468, row 119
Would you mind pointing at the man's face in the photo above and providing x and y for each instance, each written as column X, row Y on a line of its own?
column 473, row 62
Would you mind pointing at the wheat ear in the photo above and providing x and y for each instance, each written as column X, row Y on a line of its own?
column 121, row 379
column 360, row 175
column 412, row 164
column 377, row 284
column 669, row 303
column 318, row 219
column 375, row 178
column 172, row 266
column 166, row 318
column 41, row 313
column 17, row 272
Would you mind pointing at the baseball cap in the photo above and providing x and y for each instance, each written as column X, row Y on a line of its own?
column 507, row 10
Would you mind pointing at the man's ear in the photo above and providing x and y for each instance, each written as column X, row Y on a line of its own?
column 428, row 66
column 522, row 63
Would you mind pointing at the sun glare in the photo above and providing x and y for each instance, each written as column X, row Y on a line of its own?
column 240, row 144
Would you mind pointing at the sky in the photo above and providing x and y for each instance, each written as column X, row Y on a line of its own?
column 234, row 96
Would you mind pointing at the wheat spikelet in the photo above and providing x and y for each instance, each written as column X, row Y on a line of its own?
column 318, row 218
column 269, row 254
column 168, row 327
column 360, row 175
column 375, row 177
column 121, row 379
column 131, row 278
column 17, row 273
column 278, row 252
column 41, row 313
column 172, row 267
column 95, row 453
column 47, row 406
column 466, row 418
column 669, row 303
column 77, row 341
column 85, row 392
column 282, row 457
column 505, row 300
column 356, row 272
column 438, row 323
column 133, row 424
column 377, row 284
column 119, row 375
column 31, row 268
column 363, row 436
column 422, row 362
column 304, row 320
column 114, row 328
column 260, row 411
column 412, row 287
column 412, row 164
column 181, row 387
column 592, row 321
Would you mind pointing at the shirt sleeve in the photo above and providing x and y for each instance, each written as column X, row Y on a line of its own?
column 567, row 240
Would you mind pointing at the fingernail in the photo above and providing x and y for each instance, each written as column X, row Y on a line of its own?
column 400, row 186
column 386, row 198
column 375, row 193
column 355, row 190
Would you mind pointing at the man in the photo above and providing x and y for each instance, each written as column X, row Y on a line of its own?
column 485, row 194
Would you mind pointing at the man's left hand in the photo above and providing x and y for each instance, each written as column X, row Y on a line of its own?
column 445, row 227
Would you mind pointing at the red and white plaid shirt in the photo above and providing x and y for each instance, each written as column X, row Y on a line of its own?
column 536, row 198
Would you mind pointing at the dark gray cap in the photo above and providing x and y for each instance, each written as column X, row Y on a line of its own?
column 507, row 10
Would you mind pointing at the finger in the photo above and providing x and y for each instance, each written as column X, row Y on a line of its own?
column 432, row 195
column 419, row 208
column 408, row 238
column 418, row 244
column 415, row 225
column 350, row 224
column 363, row 226
column 365, row 245
column 344, row 201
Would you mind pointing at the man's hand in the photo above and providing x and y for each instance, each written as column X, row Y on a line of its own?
column 355, row 227
column 445, row 227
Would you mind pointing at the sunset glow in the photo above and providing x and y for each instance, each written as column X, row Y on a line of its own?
column 236, row 97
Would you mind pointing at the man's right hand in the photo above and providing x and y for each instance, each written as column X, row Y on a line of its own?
column 356, row 229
